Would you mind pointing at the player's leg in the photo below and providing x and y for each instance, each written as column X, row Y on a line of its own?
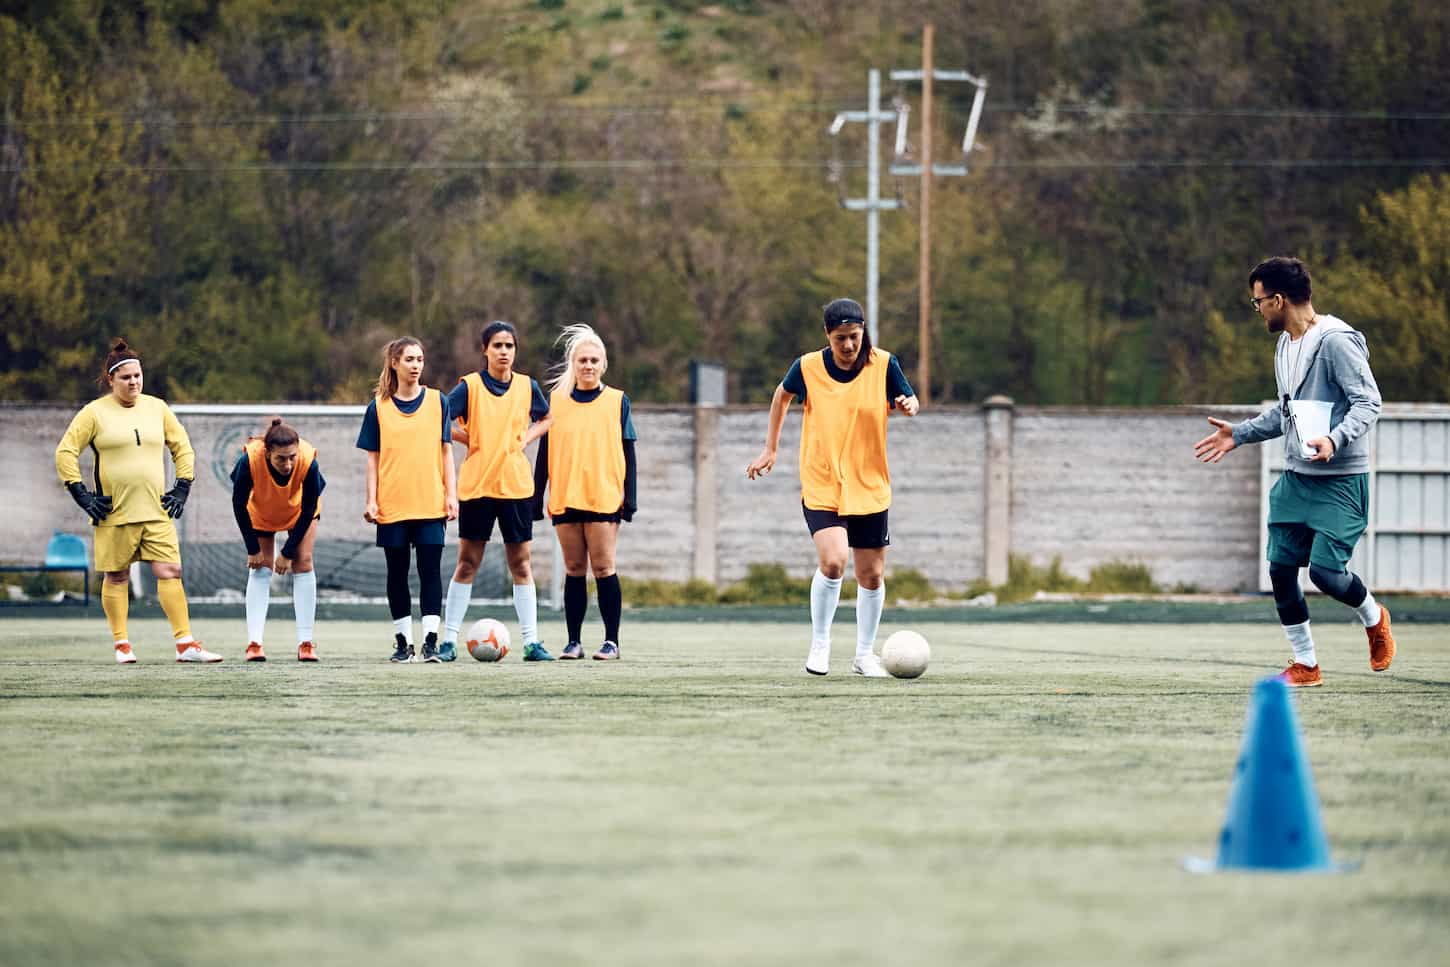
column 601, row 538
column 575, row 552
column 516, row 523
column 116, row 548
column 259, row 597
column 400, row 599
column 828, row 533
column 1294, row 618
column 304, row 592
column 1328, row 569
column 868, row 536
column 162, row 550
column 1290, row 539
column 430, row 595
column 475, row 526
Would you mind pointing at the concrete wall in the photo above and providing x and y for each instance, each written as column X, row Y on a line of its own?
column 1085, row 485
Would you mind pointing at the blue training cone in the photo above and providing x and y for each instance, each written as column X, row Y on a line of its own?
column 1273, row 819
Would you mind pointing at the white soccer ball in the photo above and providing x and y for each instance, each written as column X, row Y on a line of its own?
column 488, row 639
column 905, row 654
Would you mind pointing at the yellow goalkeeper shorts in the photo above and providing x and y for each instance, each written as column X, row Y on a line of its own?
column 118, row 547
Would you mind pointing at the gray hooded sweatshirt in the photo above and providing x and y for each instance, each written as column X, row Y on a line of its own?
column 1336, row 371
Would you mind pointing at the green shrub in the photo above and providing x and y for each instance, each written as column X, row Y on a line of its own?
column 612, row 13
column 1121, row 577
column 582, row 82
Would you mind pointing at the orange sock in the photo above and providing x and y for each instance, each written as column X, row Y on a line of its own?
column 116, row 603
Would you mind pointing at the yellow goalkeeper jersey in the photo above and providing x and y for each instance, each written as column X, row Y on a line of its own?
column 127, row 442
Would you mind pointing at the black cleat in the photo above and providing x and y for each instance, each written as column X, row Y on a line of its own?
column 403, row 653
column 430, row 647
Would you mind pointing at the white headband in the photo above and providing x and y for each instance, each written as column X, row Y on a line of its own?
column 120, row 363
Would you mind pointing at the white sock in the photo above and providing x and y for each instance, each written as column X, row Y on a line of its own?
column 526, row 606
column 825, row 594
column 304, row 603
column 868, row 617
column 404, row 627
column 1368, row 610
column 455, row 608
column 430, row 624
column 259, row 594
column 1302, row 642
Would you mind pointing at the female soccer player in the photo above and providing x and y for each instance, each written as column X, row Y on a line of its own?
column 587, row 458
column 277, row 485
column 502, row 412
column 126, row 430
column 848, row 389
column 411, row 490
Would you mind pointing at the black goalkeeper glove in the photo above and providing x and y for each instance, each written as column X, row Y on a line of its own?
column 174, row 500
column 95, row 505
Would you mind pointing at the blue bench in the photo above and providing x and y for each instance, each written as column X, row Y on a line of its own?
column 65, row 552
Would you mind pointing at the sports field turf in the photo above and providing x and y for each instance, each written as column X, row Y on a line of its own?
column 703, row 801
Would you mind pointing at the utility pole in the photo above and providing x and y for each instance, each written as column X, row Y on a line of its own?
column 873, row 204
column 923, row 323
column 927, row 170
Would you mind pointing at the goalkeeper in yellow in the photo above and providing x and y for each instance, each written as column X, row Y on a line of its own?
column 126, row 431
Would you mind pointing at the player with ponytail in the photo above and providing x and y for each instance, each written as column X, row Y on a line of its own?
column 587, row 459
column 848, row 389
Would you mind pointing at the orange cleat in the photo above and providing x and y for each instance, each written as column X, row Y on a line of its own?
column 306, row 652
column 254, row 652
column 1381, row 642
column 124, row 655
column 1301, row 676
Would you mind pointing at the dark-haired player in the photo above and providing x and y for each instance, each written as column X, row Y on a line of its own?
column 848, row 390
column 277, row 485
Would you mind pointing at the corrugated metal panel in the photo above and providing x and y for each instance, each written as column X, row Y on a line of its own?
column 1407, row 545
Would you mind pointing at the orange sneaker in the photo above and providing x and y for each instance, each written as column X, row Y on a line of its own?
column 124, row 655
column 1301, row 676
column 1381, row 642
column 254, row 652
column 306, row 652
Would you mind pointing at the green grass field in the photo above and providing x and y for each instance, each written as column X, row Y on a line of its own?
column 703, row 801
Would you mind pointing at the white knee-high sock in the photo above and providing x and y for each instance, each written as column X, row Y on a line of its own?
column 825, row 595
column 1368, row 610
column 430, row 624
column 1303, row 644
column 526, row 606
column 259, row 596
column 404, row 627
column 868, row 617
column 455, row 608
column 304, row 603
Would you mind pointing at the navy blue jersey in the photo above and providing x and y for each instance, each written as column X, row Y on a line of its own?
column 370, row 436
column 458, row 398
column 896, row 384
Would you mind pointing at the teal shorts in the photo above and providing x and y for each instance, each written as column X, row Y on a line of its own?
column 1317, row 520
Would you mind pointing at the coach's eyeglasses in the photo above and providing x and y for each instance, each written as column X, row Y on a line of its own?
column 1255, row 300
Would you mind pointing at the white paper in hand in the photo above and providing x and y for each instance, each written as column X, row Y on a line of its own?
column 1311, row 418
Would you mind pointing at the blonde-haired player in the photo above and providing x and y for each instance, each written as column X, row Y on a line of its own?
column 502, row 412
column 849, row 388
column 587, row 459
column 277, row 485
column 128, row 431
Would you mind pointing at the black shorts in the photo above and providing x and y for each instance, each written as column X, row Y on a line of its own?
column 418, row 533
column 863, row 530
column 572, row 515
column 515, row 519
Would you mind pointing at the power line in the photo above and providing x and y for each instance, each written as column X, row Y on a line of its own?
column 644, row 164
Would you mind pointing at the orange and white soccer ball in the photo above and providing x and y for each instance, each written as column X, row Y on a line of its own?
column 488, row 640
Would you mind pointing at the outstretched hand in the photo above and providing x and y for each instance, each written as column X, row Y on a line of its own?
column 1212, row 448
